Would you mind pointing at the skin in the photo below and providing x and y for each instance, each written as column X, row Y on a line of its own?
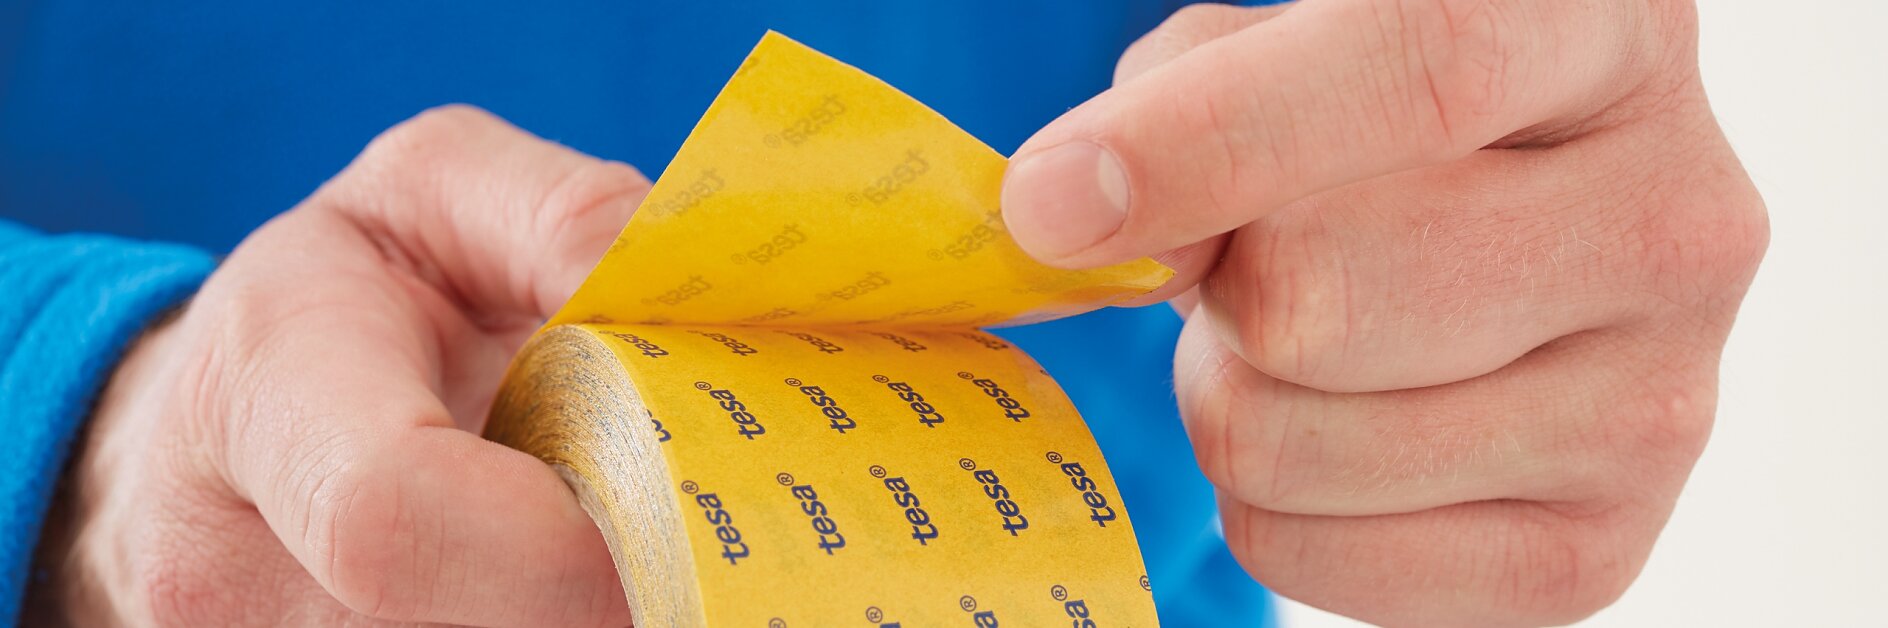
column 299, row 446
column 1457, row 276
column 1457, row 273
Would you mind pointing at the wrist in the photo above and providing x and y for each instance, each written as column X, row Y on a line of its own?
column 84, row 549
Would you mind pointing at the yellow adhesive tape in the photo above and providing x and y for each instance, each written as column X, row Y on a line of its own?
column 772, row 395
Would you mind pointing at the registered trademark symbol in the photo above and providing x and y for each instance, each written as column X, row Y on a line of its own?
column 967, row 464
column 793, row 381
column 881, row 379
column 776, row 623
column 1059, row 592
column 876, row 471
column 967, row 603
column 966, row 375
column 689, row 486
column 874, row 615
column 702, row 386
column 1054, row 457
column 1145, row 584
column 784, row 478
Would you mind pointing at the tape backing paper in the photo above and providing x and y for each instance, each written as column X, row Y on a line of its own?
column 773, row 396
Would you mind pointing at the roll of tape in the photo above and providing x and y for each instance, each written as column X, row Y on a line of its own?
column 772, row 397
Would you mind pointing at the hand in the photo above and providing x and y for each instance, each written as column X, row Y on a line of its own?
column 1464, row 271
column 301, row 445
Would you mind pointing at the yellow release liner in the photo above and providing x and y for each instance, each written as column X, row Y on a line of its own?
column 772, row 396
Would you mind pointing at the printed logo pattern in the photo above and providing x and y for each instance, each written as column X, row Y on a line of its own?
column 793, row 303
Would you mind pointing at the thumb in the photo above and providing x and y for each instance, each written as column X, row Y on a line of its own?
column 1321, row 96
column 505, row 222
column 1188, row 28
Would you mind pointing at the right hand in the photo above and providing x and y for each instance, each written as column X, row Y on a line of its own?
column 301, row 445
column 1462, row 274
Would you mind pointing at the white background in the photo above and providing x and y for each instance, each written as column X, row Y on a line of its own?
column 1785, row 521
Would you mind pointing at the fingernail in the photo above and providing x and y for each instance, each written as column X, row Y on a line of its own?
column 1063, row 200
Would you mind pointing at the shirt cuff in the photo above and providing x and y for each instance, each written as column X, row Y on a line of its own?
column 72, row 304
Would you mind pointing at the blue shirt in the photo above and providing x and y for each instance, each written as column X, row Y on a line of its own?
column 195, row 122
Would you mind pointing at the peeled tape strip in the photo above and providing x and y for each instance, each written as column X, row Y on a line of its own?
column 772, row 396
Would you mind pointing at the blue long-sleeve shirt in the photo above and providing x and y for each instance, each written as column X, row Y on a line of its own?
column 195, row 123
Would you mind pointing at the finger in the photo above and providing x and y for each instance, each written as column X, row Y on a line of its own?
column 502, row 225
column 1435, row 275
column 439, row 536
column 507, row 222
column 229, row 569
column 1566, row 424
column 1185, row 30
column 355, row 464
column 1327, row 93
column 1501, row 563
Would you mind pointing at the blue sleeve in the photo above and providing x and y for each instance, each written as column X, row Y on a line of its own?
column 72, row 304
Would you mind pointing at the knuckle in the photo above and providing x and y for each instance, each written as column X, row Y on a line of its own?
column 414, row 162
column 1195, row 24
column 1557, row 574
column 1230, row 186
column 246, row 308
column 445, row 123
column 1196, row 18
column 1705, row 238
column 1666, row 427
column 1745, row 239
column 427, row 137
column 1731, row 244
column 595, row 187
column 360, row 540
column 1205, row 391
column 1292, row 306
column 241, row 316
column 1277, row 549
column 1241, row 425
column 1459, row 55
column 1682, row 427
column 1146, row 53
column 1232, row 445
column 1188, row 28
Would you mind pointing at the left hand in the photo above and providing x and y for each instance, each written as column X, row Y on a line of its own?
column 1464, row 271
column 299, row 446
